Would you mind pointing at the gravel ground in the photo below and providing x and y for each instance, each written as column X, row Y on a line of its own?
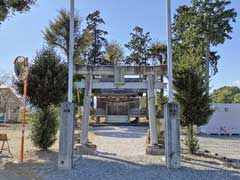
column 228, row 146
column 120, row 156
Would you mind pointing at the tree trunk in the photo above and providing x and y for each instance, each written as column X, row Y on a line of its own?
column 79, row 100
column 190, row 139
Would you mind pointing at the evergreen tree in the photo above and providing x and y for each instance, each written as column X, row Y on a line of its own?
column 159, row 55
column 95, row 54
column 114, row 53
column 47, row 84
column 57, row 36
column 139, row 46
column 191, row 94
column 209, row 23
column 11, row 6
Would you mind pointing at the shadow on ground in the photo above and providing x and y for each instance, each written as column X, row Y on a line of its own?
column 122, row 132
column 107, row 167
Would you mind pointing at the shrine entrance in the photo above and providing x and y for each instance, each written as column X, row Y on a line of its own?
column 150, row 82
column 118, row 100
column 118, row 74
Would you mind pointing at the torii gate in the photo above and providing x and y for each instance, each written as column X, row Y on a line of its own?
column 118, row 72
column 171, row 114
column 171, row 110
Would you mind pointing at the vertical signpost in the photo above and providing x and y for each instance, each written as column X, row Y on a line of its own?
column 21, row 68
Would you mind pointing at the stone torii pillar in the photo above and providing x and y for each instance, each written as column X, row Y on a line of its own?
column 153, row 148
column 86, row 147
column 86, row 110
column 152, row 111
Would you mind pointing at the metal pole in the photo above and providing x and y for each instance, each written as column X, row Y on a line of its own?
column 71, row 51
column 24, row 120
column 169, row 52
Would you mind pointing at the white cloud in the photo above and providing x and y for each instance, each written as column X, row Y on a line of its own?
column 236, row 82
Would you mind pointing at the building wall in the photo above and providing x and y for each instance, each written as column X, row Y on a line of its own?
column 225, row 120
column 13, row 105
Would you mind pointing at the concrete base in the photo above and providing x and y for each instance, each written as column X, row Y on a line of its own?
column 172, row 135
column 155, row 150
column 66, row 140
column 85, row 149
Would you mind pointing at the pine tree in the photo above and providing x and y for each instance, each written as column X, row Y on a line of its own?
column 206, row 23
column 139, row 47
column 114, row 53
column 12, row 6
column 95, row 54
column 57, row 36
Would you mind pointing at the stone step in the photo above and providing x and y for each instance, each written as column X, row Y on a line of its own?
column 117, row 119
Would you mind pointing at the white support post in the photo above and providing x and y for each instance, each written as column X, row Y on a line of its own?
column 152, row 111
column 169, row 52
column 86, row 110
column 71, row 52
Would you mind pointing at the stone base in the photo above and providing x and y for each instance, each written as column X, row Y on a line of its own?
column 85, row 149
column 155, row 150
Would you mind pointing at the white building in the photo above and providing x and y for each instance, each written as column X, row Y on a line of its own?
column 224, row 121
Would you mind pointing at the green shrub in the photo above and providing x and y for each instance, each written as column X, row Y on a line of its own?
column 44, row 128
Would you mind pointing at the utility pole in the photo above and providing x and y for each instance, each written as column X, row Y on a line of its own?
column 71, row 52
column 169, row 52
column 67, row 120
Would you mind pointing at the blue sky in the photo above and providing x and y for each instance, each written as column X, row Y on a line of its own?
column 22, row 34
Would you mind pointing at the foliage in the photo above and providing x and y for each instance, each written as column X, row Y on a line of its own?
column 57, row 36
column 44, row 128
column 196, row 28
column 191, row 93
column 204, row 23
column 114, row 53
column 139, row 46
column 12, row 6
column 47, row 87
column 47, row 82
column 226, row 94
column 158, row 53
column 95, row 53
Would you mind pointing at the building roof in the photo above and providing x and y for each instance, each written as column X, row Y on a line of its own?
column 119, row 92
